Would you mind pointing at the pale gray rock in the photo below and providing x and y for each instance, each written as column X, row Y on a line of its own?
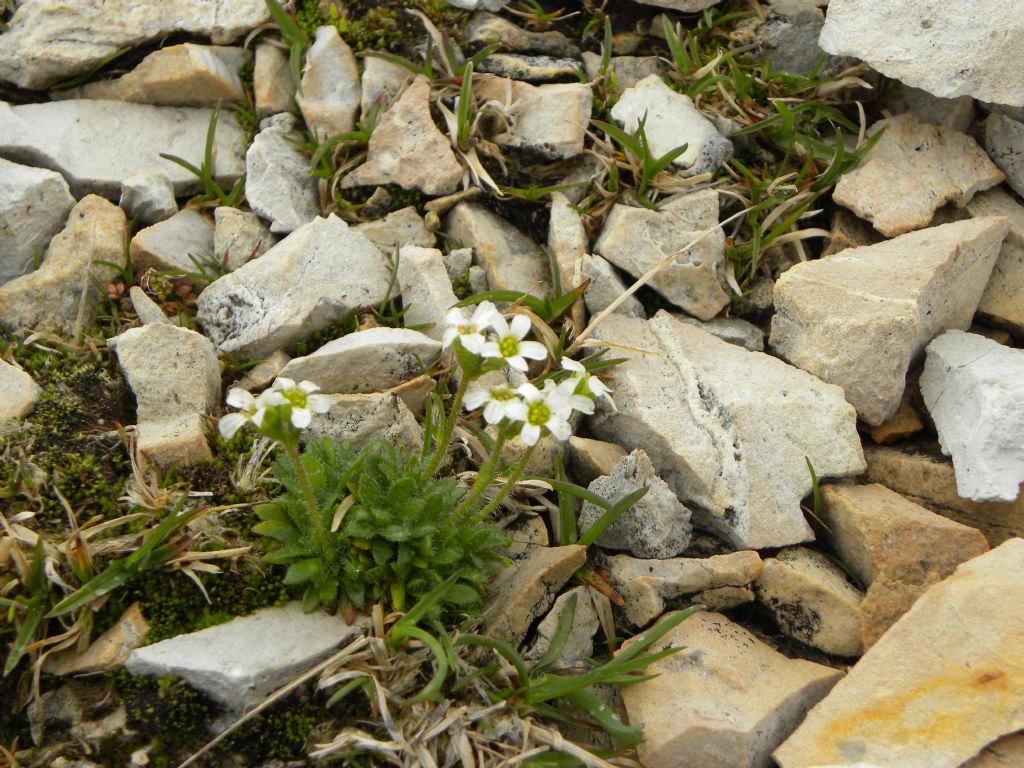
column 262, row 375
column 147, row 310
column 530, row 69
column 569, row 242
column 272, row 83
column 478, row 282
column 606, row 285
column 790, row 38
column 318, row 274
column 97, row 144
column 277, row 182
column 949, row 49
column 366, row 361
column 457, row 262
column 686, row 6
column 408, row 149
column 47, row 42
column 860, row 318
column 181, row 245
column 656, row 526
column 360, row 418
column 427, row 293
column 735, row 330
column 637, row 239
column 511, row 260
column 589, row 458
column 241, row 662
column 729, row 430
column 629, row 70
column 1004, row 142
column 34, row 204
column 382, row 81
column 584, row 172
column 973, row 388
column 1003, row 300
column 957, row 114
column 472, row 5
column 397, row 230
column 18, row 392
column 486, row 28
column 329, row 96
column 175, row 377
column 672, row 120
column 238, row 237
column 148, row 197
column 726, row 700
column 579, row 645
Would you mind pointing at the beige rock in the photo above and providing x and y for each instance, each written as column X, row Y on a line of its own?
column 579, row 645
column 358, row 419
column 902, row 424
column 532, row 69
column 524, row 535
column 567, row 240
column 812, row 601
column 944, row 681
column 180, row 245
column 848, row 232
column 147, row 310
column 148, row 197
column 329, row 95
column 278, row 186
column 263, row 374
column 60, row 297
column 526, row 590
column 912, row 171
column 734, row 330
column 414, row 392
column 109, row 651
column 725, row 700
column 589, row 459
column 273, row 87
column 408, row 149
column 606, row 287
column 382, row 82
column 1003, row 300
column 238, row 237
column 34, row 206
column 486, row 28
column 858, row 319
column 1007, row 752
column 895, row 547
column 723, row 598
column 396, row 230
column 957, row 113
column 427, row 293
column 18, row 392
column 646, row 585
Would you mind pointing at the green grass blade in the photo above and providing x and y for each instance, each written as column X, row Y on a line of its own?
column 610, row 516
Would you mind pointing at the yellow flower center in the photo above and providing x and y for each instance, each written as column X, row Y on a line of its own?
column 538, row 413
column 508, row 346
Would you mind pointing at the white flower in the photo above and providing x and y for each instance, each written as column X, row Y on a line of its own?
column 301, row 399
column 545, row 409
column 500, row 402
column 592, row 388
column 251, row 409
column 469, row 332
column 510, row 344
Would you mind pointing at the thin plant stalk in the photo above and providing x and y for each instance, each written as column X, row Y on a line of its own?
column 513, row 479
column 483, row 476
column 446, row 432
column 292, row 451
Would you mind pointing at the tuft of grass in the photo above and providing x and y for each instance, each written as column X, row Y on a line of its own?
column 205, row 173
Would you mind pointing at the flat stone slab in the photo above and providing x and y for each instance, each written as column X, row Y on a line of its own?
column 179, row 245
column 1003, row 300
column 34, row 205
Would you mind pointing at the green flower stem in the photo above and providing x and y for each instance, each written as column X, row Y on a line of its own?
column 449, row 427
column 320, row 533
column 483, row 476
column 483, row 513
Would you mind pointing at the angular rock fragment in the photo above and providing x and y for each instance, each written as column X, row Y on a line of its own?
column 579, row 645
column 175, row 377
column 149, row 197
column 729, row 430
column 109, row 651
column 605, row 287
column 329, row 96
column 731, row 329
column 686, row 6
column 548, row 120
column 146, row 310
column 18, row 392
column 262, row 375
column 943, row 682
column 34, row 205
column 858, row 319
column 95, row 145
column 272, row 84
column 60, row 297
column 312, row 278
column 629, row 70
column 725, row 700
column 179, row 245
column 589, row 459
column 902, row 424
column 277, row 182
column 486, row 28
column 1007, row 752
column 1003, row 300
column 396, row 230
column 568, row 241
column 637, row 239
column 957, row 113
column 973, row 388
column 1004, row 142
column 913, row 170
column 427, row 293
column 382, row 81
column 790, row 37
column 408, row 149
column 530, row 69
column 238, row 237
column 358, row 419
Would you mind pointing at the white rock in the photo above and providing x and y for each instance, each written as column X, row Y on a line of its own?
column 629, row 70
column 579, row 645
column 1003, row 300
column 949, row 49
column 427, row 293
column 686, row 6
column 34, row 204
column 606, row 285
column 97, row 144
column 657, row 526
column 182, row 244
column 272, row 84
column 860, row 318
column 277, row 182
column 18, row 392
column 382, row 81
column 729, row 430
column 396, row 230
column 238, row 237
column 636, row 239
column 912, row 171
column 329, row 96
column 242, row 661
column 149, row 197
column 485, row 28
column 472, row 5
column 358, row 419
column 48, row 41
column 974, row 390
column 943, row 682
column 726, row 700
column 147, row 310
column 175, row 377
column 366, row 361
column 672, row 120
column 1004, row 142
column 735, row 330
column 568, row 241
column 312, row 278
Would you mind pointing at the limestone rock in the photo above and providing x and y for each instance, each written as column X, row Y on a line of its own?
column 902, row 424
column 530, row 69
column 636, row 239
column 589, row 459
column 511, row 260
column 734, row 330
column 895, row 547
column 934, row 709
column 34, row 204
column 646, row 585
column 948, row 49
column 47, row 42
column 427, row 293
column 725, row 700
column 912, row 171
column 408, row 149
column 486, row 28
column 606, row 285
column 262, row 375
column 727, row 429
column 656, row 526
column 277, row 182
column 686, row 6
column 146, row 310
column 414, row 392
column 568, row 241
column 329, row 96
column 579, row 646
column 312, row 278
column 629, row 70
column 358, row 419
column 61, row 295
column 973, row 388
column 109, row 651
column 396, row 230
column 1007, row 752
column 472, row 5
column 149, row 197
column 848, row 231
column 238, row 237
column 179, row 245
column 272, row 84
column 672, row 120
column 1004, row 142
column 175, row 377
column 524, row 534
column 858, row 319
column 18, row 392
column 1003, row 300
column 550, row 121
column 74, row 137
column 242, row 661
column 366, row 361
column 382, row 81
column 186, row 75
column 957, row 113
column 812, row 601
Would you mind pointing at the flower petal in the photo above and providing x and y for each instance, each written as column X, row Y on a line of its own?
column 301, row 417
column 559, row 428
column 476, row 397
column 282, row 383
column 318, row 403
column 533, row 349
column 308, row 387
column 489, row 349
column 529, row 392
column 520, row 326
column 569, row 364
column 230, row 424
column 473, row 342
column 240, row 398
column 530, row 434
column 497, row 322
column 516, row 362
